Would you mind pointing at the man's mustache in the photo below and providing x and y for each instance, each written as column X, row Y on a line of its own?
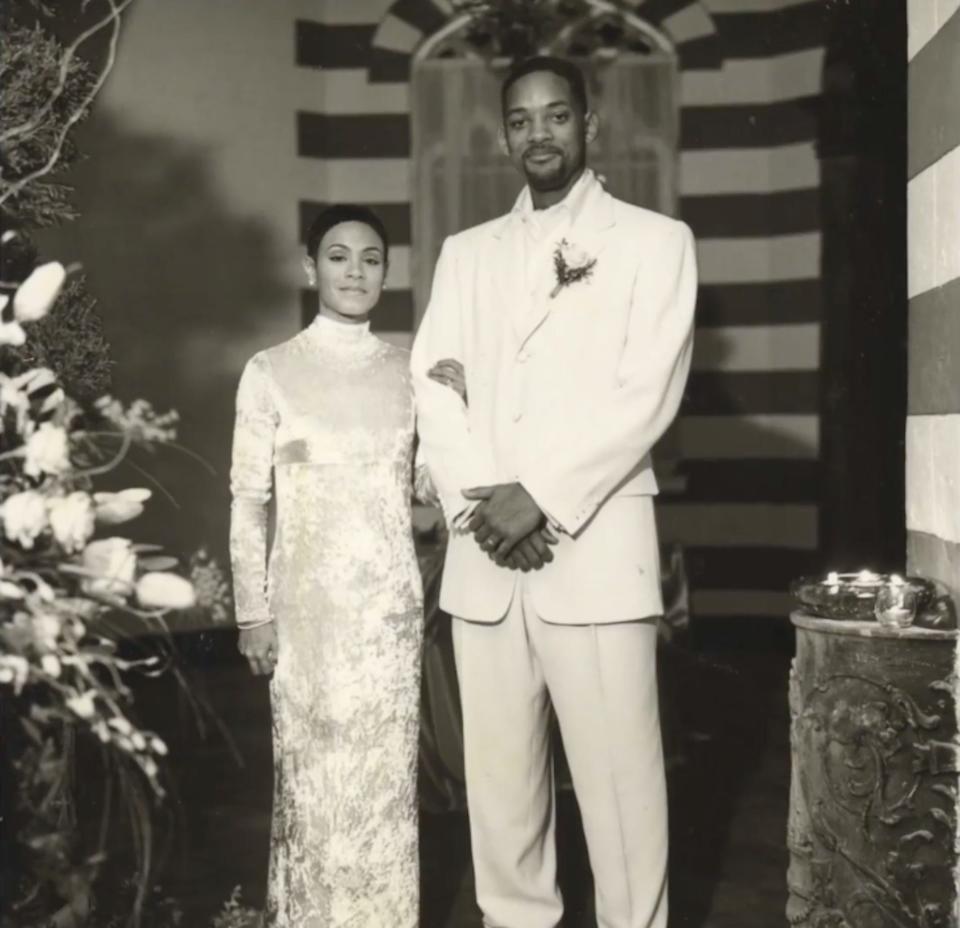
column 540, row 150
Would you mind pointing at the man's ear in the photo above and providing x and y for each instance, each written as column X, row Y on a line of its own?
column 310, row 269
column 591, row 126
column 502, row 140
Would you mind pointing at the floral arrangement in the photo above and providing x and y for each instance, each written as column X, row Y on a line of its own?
column 235, row 914
column 72, row 587
column 84, row 608
column 517, row 28
column 571, row 264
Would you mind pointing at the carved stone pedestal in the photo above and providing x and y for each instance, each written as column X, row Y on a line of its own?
column 873, row 796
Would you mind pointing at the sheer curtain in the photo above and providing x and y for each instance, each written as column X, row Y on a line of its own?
column 461, row 178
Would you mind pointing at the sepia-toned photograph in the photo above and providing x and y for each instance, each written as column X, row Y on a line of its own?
column 479, row 463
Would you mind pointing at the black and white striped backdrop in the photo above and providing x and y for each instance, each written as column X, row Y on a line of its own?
column 933, row 204
column 751, row 76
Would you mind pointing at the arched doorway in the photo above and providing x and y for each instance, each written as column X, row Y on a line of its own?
column 460, row 177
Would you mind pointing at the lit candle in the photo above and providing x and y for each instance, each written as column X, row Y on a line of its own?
column 867, row 578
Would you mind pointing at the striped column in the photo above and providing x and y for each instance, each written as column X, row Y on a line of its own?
column 933, row 203
column 933, row 285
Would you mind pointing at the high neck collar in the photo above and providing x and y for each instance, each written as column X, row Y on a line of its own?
column 341, row 334
column 572, row 204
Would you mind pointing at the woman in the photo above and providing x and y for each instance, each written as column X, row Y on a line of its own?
column 328, row 419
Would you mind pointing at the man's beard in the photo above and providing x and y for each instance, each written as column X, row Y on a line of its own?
column 544, row 179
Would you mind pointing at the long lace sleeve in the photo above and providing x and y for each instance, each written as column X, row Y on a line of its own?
column 251, row 475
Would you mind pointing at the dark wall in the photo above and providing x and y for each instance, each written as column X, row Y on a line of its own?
column 863, row 397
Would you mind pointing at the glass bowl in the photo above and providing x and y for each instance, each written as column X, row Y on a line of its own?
column 851, row 597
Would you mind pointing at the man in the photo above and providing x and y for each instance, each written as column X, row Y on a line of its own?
column 572, row 318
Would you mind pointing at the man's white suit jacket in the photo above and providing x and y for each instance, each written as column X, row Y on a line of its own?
column 567, row 394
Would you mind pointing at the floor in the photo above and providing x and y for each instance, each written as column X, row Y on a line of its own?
column 726, row 732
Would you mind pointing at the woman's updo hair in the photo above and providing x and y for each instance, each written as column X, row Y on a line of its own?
column 344, row 212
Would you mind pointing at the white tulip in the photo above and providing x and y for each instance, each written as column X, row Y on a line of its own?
column 14, row 669
column 24, row 517
column 114, row 564
column 9, row 590
column 46, row 629
column 43, row 591
column 47, row 451
column 165, row 591
column 50, row 665
column 37, row 378
column 114, row 508
column 83, row 705
column 11, row 333
column 71, row 518
column 37, row 294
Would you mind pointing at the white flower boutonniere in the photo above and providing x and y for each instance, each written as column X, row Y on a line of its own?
column 571, row 264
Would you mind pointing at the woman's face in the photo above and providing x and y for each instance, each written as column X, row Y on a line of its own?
column 350, row 271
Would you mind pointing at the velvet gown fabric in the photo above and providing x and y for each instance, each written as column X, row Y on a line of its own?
column 327, row 420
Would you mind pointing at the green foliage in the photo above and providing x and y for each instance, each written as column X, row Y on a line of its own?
column 41, row 91
column 45, row 85
column 71, row 342
column 160, row 910
column 63, row 667
column 517, row 28
column 236, row 915
column 163, row 911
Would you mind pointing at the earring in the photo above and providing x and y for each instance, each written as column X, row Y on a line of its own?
column 310, row 269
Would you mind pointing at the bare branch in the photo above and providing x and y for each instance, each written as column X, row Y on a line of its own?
column 113, row 20
column 69, row 54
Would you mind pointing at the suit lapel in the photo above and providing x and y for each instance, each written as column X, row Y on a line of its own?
column 591, row 231
column 508, row 271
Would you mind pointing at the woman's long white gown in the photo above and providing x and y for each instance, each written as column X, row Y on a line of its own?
column 327, row 419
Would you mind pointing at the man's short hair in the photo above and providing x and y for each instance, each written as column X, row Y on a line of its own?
column 559, row 66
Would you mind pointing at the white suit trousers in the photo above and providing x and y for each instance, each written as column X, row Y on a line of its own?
column 601, row 681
